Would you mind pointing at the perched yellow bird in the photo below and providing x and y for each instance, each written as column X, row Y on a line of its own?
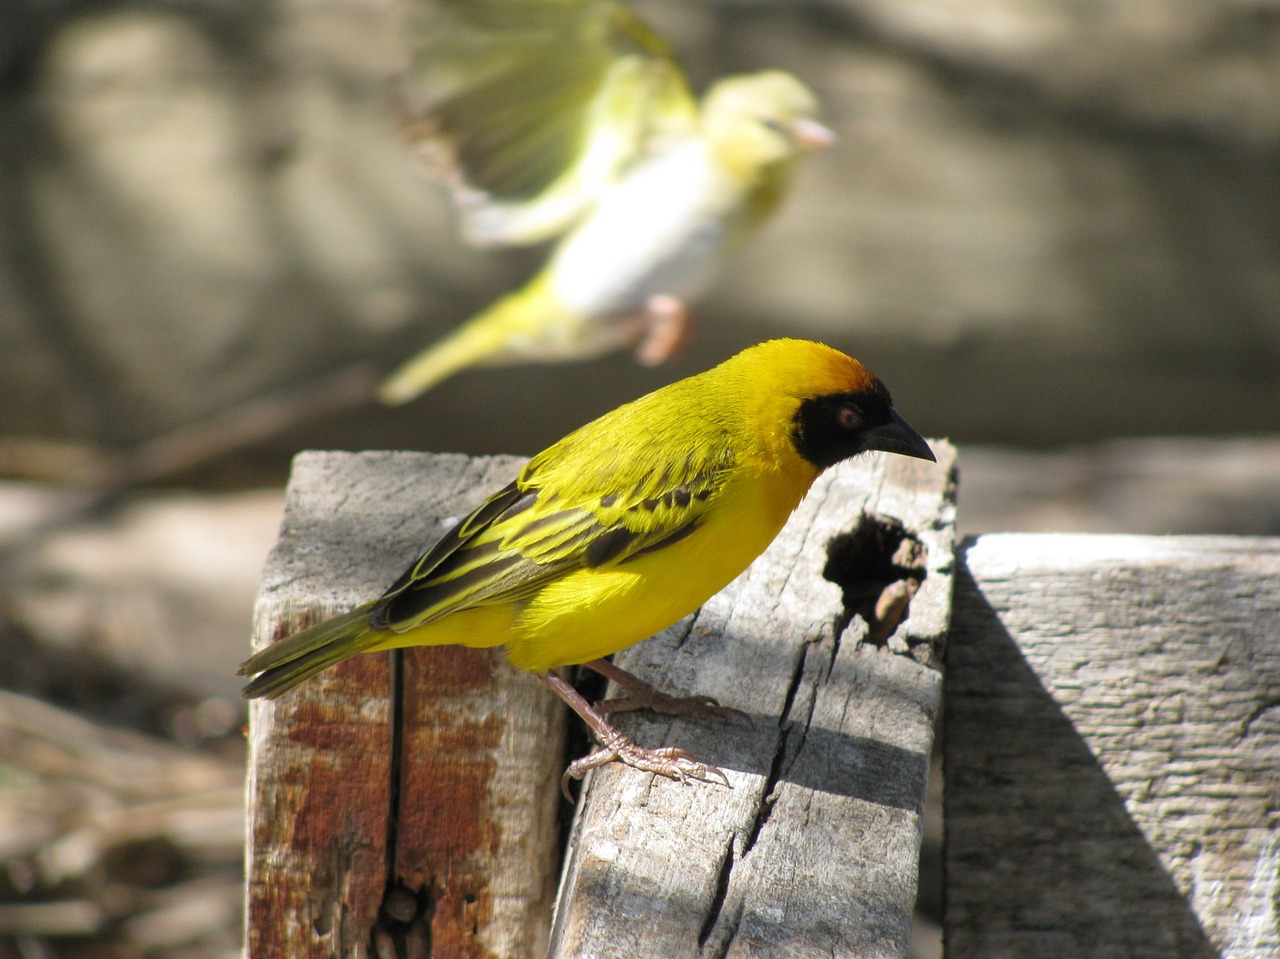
column 570, row 117
column 620, row 529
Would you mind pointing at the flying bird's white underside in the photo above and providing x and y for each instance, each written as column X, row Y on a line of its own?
column 659, row 233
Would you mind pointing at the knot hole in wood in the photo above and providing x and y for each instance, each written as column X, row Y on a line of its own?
column 879, row 567
column 403, row 927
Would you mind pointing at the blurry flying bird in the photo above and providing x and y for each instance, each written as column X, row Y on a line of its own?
column 570, row 118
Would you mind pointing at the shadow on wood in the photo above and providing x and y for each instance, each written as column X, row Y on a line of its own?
column 1105, row 795
column 1058, row 867
column 814, row 850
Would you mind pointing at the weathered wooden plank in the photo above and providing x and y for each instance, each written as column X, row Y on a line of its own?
column 466, row 861
column 1112, row 749
column 814, row 850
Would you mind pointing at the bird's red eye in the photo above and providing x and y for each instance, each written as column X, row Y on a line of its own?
column 848, row 418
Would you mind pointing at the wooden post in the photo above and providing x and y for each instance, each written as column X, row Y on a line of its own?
column 1112, row 749
column 394, row 812
column 814, row 849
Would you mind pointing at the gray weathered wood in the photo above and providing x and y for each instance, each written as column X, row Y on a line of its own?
column 473, row 864
column 1112, row 749
column 814, row 850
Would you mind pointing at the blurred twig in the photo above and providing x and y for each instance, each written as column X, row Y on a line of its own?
column 250, row 422
column 114, row 837
column 40, row 458
column 87, row 467
column 93, row 480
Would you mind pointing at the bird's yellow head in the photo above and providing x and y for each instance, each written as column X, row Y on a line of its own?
column 814, row 401
column 759, row 120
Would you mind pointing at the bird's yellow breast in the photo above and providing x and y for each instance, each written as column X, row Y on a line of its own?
column 594, row 612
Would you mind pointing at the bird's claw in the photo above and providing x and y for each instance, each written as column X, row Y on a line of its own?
column 668, row 761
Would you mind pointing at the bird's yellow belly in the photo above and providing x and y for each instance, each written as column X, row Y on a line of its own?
column 595, row 612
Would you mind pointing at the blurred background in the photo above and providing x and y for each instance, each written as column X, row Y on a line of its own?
column 1053, row 228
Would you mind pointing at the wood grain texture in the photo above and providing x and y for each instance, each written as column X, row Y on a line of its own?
column 1112, row 748
column 472, row 867
column 814, row 849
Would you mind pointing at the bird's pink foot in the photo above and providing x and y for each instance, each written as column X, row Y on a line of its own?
column 675, row 764
column 615, row 747
column 641, row 695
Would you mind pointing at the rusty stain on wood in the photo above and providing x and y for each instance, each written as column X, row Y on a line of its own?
column 327, row 810
column 403, row 811
column 446, row 833
column 444, row 745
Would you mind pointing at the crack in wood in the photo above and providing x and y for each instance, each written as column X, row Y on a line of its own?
column 403, row 926
column 1264, row 707
column 792, row 732
column 782, row 754
column 719, row 896
column 400, row 906
column 879, row 567
column 395, row 668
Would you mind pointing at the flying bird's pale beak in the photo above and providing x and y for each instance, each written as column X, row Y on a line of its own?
column 811, row 135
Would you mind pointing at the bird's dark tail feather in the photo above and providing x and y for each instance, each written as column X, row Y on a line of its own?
column 295, row 659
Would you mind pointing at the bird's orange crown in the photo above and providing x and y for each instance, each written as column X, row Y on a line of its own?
column 803, row 369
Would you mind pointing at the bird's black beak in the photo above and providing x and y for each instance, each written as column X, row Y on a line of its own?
column 898, row 436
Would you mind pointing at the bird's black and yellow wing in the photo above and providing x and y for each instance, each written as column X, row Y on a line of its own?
column 529, row 534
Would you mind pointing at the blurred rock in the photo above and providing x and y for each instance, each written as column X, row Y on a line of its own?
column 113, row 843
column 1046, row 222
column 1201, row 66
column 158, row 591
column 1155, row 486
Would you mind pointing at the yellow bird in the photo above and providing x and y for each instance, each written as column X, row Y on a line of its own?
column 620, row 529
column 570, row 118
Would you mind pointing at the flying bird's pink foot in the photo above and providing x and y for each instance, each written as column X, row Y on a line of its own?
column 669, row 325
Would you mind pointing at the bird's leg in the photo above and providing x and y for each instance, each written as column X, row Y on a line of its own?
column 668, row 324
column 640, row 695
column 670, row 762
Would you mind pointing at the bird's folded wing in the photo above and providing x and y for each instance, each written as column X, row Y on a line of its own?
column 526, row 536
column 531, row 109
